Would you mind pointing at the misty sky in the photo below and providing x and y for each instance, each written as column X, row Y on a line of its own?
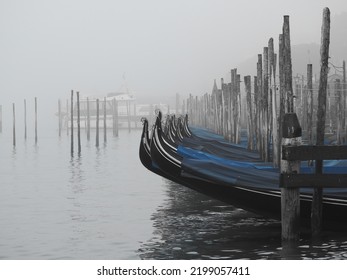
column 163, row 47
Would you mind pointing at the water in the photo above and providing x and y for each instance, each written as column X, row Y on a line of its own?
column 105, row 205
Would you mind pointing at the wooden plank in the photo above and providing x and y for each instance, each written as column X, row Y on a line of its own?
column 313, row 180
column 318, row 152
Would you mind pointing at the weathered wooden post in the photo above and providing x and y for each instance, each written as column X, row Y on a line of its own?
column 223, row 107
column 71, row 117
column 239, row 111
column 287, row 65
column 35, row 120
column 309, row 105
column 260, row 102
column 14, row 124
column 256, row 114
column 344, row 93
column 338, row 102
column 250, row 144
column 303, row 102
column 265, row 99
column 290, row 197
column 231, row 106
column 316, row 215
column 273, row 124
column 88, row 120
column 291, row 135
column 25, row 119
column 281, row 90
column 105, row 115
column 97, row 123
column 329, row 111
column 78, row 123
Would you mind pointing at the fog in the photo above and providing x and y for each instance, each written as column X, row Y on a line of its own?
column 160, row 47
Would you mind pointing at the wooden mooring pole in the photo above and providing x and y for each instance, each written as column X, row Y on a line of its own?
column 265, row 100
column 339, row 104
column 316, row 214
column 259, row 103
column 290, row 197
column 250, row 144
column 309, row 105
column 88, row 120
column 78, row 123
column 281, row 92
column 291, row 135
column 105, row 128
column 97, row 123
column 344, row 93
column 71, row 118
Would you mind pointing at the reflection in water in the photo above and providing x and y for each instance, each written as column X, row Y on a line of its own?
column 77, row 187
column 76, row 180
column 192, row 226
column 100, row 205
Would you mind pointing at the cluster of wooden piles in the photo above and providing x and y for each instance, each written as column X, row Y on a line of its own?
column 268, row 118
column 14, row 130
column 257, row 111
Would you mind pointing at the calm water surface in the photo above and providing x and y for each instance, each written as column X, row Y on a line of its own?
column 104, row 204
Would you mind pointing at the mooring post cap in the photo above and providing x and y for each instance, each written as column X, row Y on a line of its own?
column 291, row 127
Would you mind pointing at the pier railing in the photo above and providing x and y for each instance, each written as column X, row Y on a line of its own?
column 310, row 153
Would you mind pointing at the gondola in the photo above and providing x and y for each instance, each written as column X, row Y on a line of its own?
column 248, row 185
